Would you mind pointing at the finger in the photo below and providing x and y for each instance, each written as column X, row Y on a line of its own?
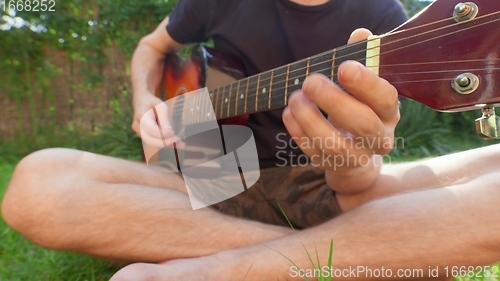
column 372, row 90
column 359, row 35
column 159, row 142
column 162, row 117
column 150, row 126
column 151, row 134
column 298, row 134
column 317, row 128
column 348, row 112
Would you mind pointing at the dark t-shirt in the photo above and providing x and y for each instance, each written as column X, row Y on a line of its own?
column 266, row 34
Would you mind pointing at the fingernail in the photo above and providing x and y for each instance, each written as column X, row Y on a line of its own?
column 312, row 85
column 351, row 71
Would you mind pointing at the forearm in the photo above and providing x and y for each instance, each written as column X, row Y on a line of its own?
column 148, row 59
column 146, row 69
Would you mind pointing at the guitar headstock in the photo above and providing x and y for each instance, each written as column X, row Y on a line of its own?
column 447, row 57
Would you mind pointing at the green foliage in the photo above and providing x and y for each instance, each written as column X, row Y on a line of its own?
column 423, row 132
column 418, row 133
column 414, row 6
column 114, row 139
column 84, row 30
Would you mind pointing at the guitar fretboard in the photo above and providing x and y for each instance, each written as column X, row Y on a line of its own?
column 271, row 89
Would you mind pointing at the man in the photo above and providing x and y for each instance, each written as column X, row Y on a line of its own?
column 405, row 216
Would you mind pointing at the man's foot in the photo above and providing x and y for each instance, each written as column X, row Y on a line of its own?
column 194, row 269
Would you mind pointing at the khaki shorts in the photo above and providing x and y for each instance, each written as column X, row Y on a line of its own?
column 301, row 192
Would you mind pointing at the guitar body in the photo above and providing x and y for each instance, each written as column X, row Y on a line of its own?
column 205, row 67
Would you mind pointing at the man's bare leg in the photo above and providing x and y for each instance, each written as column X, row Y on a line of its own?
column 116, row 209
column 455, row 224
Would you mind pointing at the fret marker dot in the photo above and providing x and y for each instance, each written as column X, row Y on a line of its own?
column 296, row 82
column 225, row 100
column 264, row 90
column 242, row 96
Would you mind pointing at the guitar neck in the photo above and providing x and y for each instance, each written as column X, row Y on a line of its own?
column 271, row 89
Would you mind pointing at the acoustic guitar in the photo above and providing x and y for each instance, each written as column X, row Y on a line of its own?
column 446, row 57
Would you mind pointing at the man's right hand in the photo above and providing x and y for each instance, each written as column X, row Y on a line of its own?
column 152, row 126
column 151, row 122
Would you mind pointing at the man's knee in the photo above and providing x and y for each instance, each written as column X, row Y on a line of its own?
column 32, row 197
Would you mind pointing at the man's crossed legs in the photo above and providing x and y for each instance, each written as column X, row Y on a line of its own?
column 431, row 213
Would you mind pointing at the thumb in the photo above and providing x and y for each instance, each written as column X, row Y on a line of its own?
column 161, row 112
column 359, row 34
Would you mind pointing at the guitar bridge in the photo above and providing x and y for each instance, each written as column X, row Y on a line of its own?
column 487, row 126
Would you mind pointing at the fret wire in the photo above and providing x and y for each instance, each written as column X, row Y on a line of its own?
column 270, row 89
column 222, row 103
column 208, row 105
column 333, row 64
column 203, row 104
column 286, row 83
column 193, row 109
column 203, row 109
column 229, row 100
column 179, row 103
column 237, row 97
column 246, row 96
column 200, row 107
column 257, row 93
column 307, row 67
column 197, row 108
column 214, row 103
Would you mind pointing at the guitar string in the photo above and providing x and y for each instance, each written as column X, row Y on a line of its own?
column 487, row 71
column 279, row 96
column 439, row 62
column 348, row 46
column 462, row 30
column 280, row 104
column 362, row 51
column 438, row 37
column 330, row 52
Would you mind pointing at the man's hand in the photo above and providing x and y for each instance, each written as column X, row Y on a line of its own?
column 151, row 122
column 359, row 128
column 147, row 65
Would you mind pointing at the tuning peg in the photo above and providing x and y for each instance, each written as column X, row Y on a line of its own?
column 487, row 127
